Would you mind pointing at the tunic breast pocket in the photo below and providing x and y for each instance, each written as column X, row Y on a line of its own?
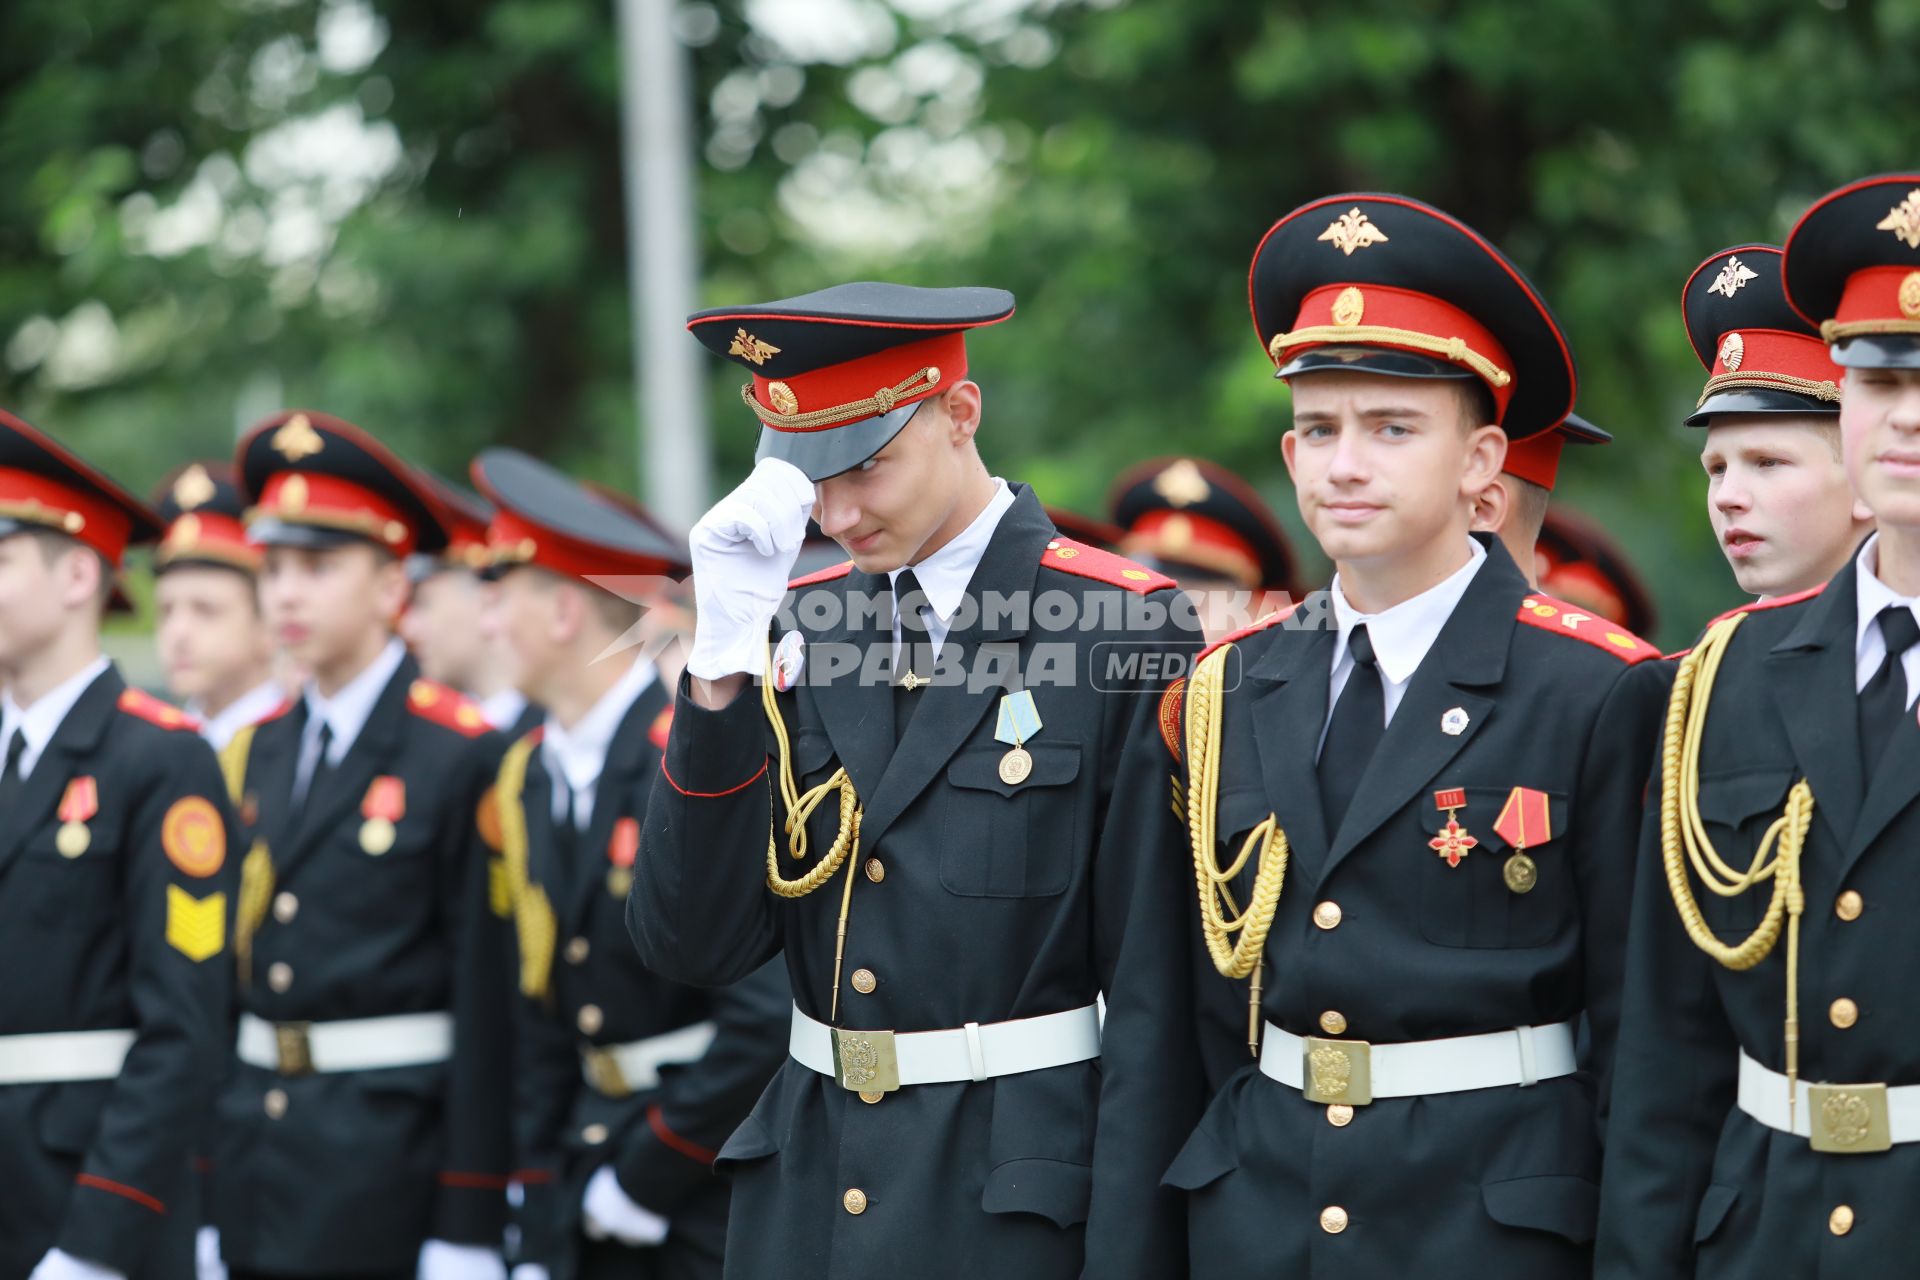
column 1494, row 895
column 1736, row 808
column 1010, row 840
column 64, row 891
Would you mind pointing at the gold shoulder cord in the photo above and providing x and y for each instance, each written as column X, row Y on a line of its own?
column 256, row 869
column 1682, row 835
column 1219, row 918
column 799, row 807
column 533, row 920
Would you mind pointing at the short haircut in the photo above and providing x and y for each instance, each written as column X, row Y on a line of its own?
column 1476, row 403
column 54, row 544
column 616, row 614
column 1528, row 513
column 1829, row 430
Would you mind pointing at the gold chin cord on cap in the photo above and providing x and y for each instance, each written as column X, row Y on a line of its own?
column 1220, row 918
column 799, row 807
column 1683, row 839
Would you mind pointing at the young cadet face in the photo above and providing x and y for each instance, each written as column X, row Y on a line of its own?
column 1778, row 497
column 333, row 606
column 522, row 621
column 884, row 511
column 442, row 627
column 44, row 582
column 1880, row 435
column 210, row 631
column 1385, row 468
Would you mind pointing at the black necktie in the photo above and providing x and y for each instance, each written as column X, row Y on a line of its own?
column 916, row 651
column 1359, row 722
column 322, row 766
column 1883, row 702
column 10, row 781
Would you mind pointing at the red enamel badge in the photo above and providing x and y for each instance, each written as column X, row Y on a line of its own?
column 1452, row 841
column 1525, row 820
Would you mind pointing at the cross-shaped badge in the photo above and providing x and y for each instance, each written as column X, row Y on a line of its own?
column 1452, row 841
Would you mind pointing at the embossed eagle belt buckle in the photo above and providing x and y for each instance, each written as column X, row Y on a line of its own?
column 1338, row 1071
column 294, row 1047
column 1849, row 1119
column 604, row 1074
column 865, row 1061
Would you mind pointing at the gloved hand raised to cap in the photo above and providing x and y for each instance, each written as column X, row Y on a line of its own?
column 743, row 552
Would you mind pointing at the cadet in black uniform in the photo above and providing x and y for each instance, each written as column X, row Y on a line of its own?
column 115, row 894
column 962, row 858
column 364, row 1131
column 1407, row 798
column 627, row 1083
column 1766, row 1115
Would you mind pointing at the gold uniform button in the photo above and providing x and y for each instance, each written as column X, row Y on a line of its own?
column 595, row 1134
column 280, row 975
column 1840, row 1221
column 1333, row 1022
column 1333, row 1219
column 1844, row 1013
column 1327, row 915
column 864, row 982
column 285, row 907
column 276, row 1103
column 855, row 1201
column 577, row 951
column 1339, row 1115
column 590, row 1019
column 876, row 870
column 1849, row 905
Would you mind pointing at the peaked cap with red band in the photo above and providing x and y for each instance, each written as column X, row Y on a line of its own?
column 838, row 372
column 548, row 520
column 1762, row 357
column 1852, row 267
column 1537, row 458
column 466, row 516
column 317, row 481
column 1191, row 515
column 205, row 517
column 1387, row 285
column 1578, row 562
column 45, row 486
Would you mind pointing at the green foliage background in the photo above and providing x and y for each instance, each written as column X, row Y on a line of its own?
column 1112, row 163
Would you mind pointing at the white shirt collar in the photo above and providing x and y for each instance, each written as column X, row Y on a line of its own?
column 42, row 720
column 1871, row 595
column 503, row 708
column 577, row 755
column 944, row 575
column 1403, row 634
column 248, row 708
column 346, row 711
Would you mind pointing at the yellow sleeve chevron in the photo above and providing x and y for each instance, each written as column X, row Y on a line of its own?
column 196, row 927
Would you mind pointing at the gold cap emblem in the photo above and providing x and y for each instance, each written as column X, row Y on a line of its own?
column 1904, row 220
column 781, row 397
column 751, row 349
column 293, row 495
column 1910, row 296
column 1176, row 534
column 297, row 439
column 1733, row 349
column 1182, row 484
column 1353, row 230
column 1349, row 307
column 185, row 531
column 193, row 488
column 1732, row 278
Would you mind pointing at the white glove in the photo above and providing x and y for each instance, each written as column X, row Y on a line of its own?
column 61, row 1265
column 743, row 552
column 207, row 1264
column 441, row 1260
column 607, row 1211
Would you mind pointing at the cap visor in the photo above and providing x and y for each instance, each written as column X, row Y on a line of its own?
column 1381, row 360
column 1879, row 351
column 1757, row 400
column 820, row 454
column 271, row 532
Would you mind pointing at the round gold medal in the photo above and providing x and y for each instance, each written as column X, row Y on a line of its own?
column 619, row 881
column 376, row 835
column 72, row 839
column 1015, row 766
column 1521, row 873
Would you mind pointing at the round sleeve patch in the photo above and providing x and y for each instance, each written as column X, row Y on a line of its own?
column 194, row 838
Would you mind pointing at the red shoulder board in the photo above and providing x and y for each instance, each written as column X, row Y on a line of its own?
column 1084, row 561
column 138, row 702
column 446, row 707
column 534, row 736
column 286, row 705
column 1173, row 705
column 1774, row 603
column 1253, row 628
column 1558, row 616
column 827, row 574
column 657, row 731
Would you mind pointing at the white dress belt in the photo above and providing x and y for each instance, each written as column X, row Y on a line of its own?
column 636, row 1064
column 1522, row 1056
column 348, row 1044
column 880, row 1061
column 60, row 1057
column 1839, row 1117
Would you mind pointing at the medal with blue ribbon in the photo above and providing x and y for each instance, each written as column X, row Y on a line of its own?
column 1019, row 722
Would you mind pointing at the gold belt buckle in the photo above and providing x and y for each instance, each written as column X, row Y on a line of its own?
column 865, row 1061
column 1338, row 1071
column 1849, row 1119
column 604, row 1074
column 295, row 1048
